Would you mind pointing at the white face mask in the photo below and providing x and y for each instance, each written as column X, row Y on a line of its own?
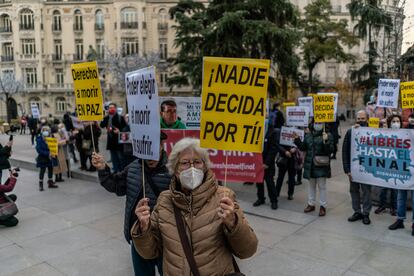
column 396, row 125
column 191, row 178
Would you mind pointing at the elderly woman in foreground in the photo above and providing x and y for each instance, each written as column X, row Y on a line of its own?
column 214, row 223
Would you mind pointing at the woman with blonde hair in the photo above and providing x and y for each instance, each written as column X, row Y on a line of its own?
column 197, row 226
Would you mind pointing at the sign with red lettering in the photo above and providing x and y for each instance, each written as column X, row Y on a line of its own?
column 241, row 166
column 297, row 116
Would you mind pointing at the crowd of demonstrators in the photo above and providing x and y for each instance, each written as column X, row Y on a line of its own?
column 129, row 183
column 114, row 123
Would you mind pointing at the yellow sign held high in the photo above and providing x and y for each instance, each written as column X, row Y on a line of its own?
column 233, row 103
column 324, row 108
column 88, row 93
column 52, row 144
column 374, row 122
column 407, row 94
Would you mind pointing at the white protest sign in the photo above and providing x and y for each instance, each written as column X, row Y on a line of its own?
column 188, row 110
column 144, row 115
column 287, row 138
column 388, row 92
column 307, row 101
column 297, row 116
column 383, row 157
column 76, row 123
column 336, row 98
column 35, row 110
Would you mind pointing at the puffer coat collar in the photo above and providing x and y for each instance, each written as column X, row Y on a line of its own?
column 197, row 198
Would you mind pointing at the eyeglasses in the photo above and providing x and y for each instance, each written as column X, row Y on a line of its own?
column 196, row 163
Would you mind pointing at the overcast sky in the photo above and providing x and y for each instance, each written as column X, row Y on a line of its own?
column 408, row 23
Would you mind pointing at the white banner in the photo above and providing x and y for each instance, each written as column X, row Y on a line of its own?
column 297, row 116
column 388, row 92
column 188, row 110
column 383, row 157
column 287, row 138
column 143, row 109
column 35, row 110
column 306, row 101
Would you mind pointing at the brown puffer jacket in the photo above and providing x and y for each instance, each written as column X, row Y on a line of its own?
column 212, row 244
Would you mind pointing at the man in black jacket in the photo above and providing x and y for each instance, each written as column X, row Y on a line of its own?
column 270, row 149
column 355, row 187
column 129, row 182
column 114, row 124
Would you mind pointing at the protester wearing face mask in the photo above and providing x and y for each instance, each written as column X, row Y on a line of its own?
column 411, row 121
column 44, row 159
column 318, row 145
column 213, row 223
column 393, row 122
column 129, row 183
column 114, row 124
column 355, row 187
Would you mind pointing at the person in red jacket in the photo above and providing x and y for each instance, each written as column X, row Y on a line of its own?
column 7, row 187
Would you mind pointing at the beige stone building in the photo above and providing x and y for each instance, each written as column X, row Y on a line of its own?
column 40, row 39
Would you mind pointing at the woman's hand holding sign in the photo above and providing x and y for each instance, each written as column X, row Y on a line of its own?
column 143, row 213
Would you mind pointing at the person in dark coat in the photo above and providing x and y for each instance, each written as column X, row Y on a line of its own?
column 270, row 148
column 316, row 143
column 286, row 165
column 355, row 187
column 44, row 159
column 7, row 187
column 114, row 124
column 32, row 124
column 333, row 128
column 85, row 145
column 129, row 182
column 276, row 117
column 5, row 153
column 67, row 121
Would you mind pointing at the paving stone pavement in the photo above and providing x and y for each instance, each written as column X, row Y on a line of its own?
column 77, row 229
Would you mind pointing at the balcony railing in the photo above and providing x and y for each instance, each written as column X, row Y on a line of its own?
column 162, row 26
column 7, row 58
column 26, row 26
column 129, row 25
column 56, row 27
column 56, row 57
column 27, row 56
column 6, row 29
column 60, row 86
column 77, row 57
column 99, row 27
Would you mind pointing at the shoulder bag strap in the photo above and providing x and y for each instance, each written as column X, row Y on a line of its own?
column 185, row 243
column 236, row 266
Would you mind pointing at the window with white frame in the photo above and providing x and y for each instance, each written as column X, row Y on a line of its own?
column 28, row 47
column 58, row 49
column 163, row 50
column 78, row 25
column 57, row 21
column 30, row 75
column 60, row 104
column 59, row 77
column 5, row 23
column 79, row 49
column 129, row 46
column 129, row 18
column 26, row 20
column 99, row 20
column 163, row 79
column 100, row 48
column 7, row 50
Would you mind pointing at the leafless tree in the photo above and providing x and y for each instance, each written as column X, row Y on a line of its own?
column 9, row 86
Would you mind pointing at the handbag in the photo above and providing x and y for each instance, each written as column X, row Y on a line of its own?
column 86, row 144
column 187, row 249
column 320, row 160
column 281, row 161
column 8, row 209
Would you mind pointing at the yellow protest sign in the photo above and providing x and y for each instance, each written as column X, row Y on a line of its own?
column 407, row 94
column 289, row 104
column 324, row 108
column 52, row 144
column 88, row 93
column 233, row 103
column 374, row 122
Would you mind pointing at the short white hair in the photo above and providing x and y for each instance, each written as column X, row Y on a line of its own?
column 183, row 145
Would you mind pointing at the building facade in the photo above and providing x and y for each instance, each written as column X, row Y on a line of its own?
column 40, row 39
